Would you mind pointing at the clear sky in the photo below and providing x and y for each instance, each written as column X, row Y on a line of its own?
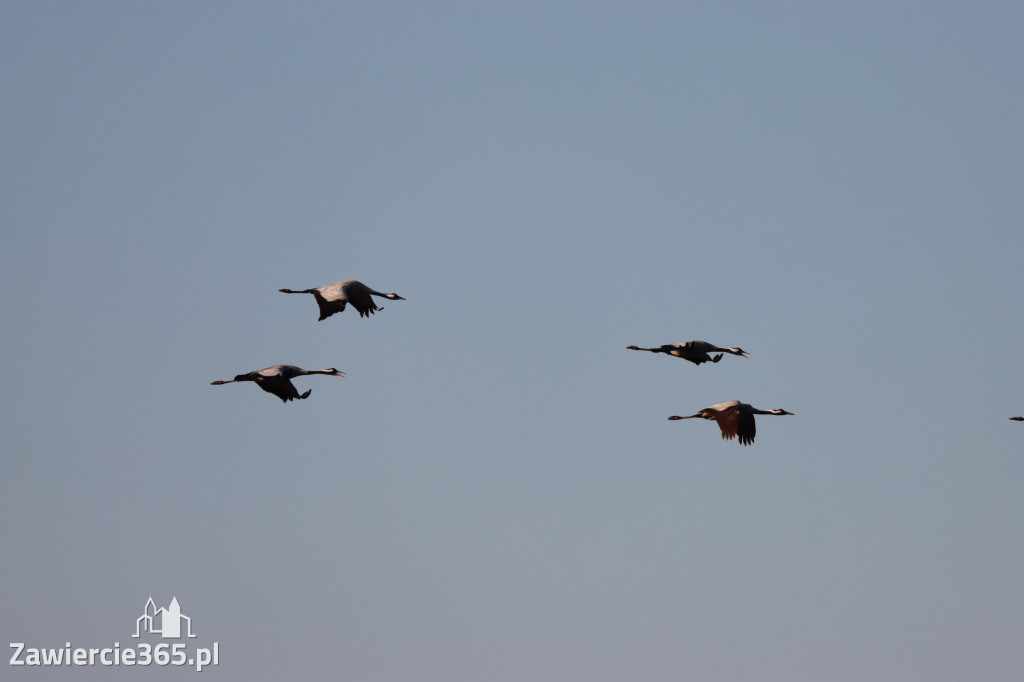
column 494, row 492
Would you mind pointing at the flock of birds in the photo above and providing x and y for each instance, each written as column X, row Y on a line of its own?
column 735, row 419
column 332, row 298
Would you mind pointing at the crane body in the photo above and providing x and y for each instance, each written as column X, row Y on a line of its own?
column 694, row 351
column 736, row 419
column 276, row 379
column 332, row 298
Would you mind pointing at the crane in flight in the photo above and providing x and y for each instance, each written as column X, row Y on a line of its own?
column 332, row 298
column 694, row 351
column 734, row 418
column 276, row 379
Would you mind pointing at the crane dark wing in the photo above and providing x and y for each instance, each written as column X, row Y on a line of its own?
column 747, row 427
column 328, row 307
column 736, row 422
column 684, row 351
column 358, row 294
column 728, row 422
column 366, row 306
column 280, row 387
column 698, row 357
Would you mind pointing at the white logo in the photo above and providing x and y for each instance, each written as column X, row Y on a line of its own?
column 163, row 622
column 169, row 620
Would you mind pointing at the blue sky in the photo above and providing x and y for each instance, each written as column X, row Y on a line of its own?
column 493, row 491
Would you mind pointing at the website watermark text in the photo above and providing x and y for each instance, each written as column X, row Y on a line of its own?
column 144, row 654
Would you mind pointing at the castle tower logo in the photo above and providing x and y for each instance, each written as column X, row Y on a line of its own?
column 165, row 622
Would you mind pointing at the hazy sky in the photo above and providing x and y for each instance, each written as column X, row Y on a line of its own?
column 493, row 492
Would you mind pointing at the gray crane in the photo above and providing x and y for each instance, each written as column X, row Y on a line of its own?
column 734, row 418
column 1017, row 419
column 694, row 351
column 276, row 379
column 333, row 297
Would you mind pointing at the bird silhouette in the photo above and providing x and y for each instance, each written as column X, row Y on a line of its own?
column 734, row 418
column 694, row 351
column 333, row 297
column 276, row 379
